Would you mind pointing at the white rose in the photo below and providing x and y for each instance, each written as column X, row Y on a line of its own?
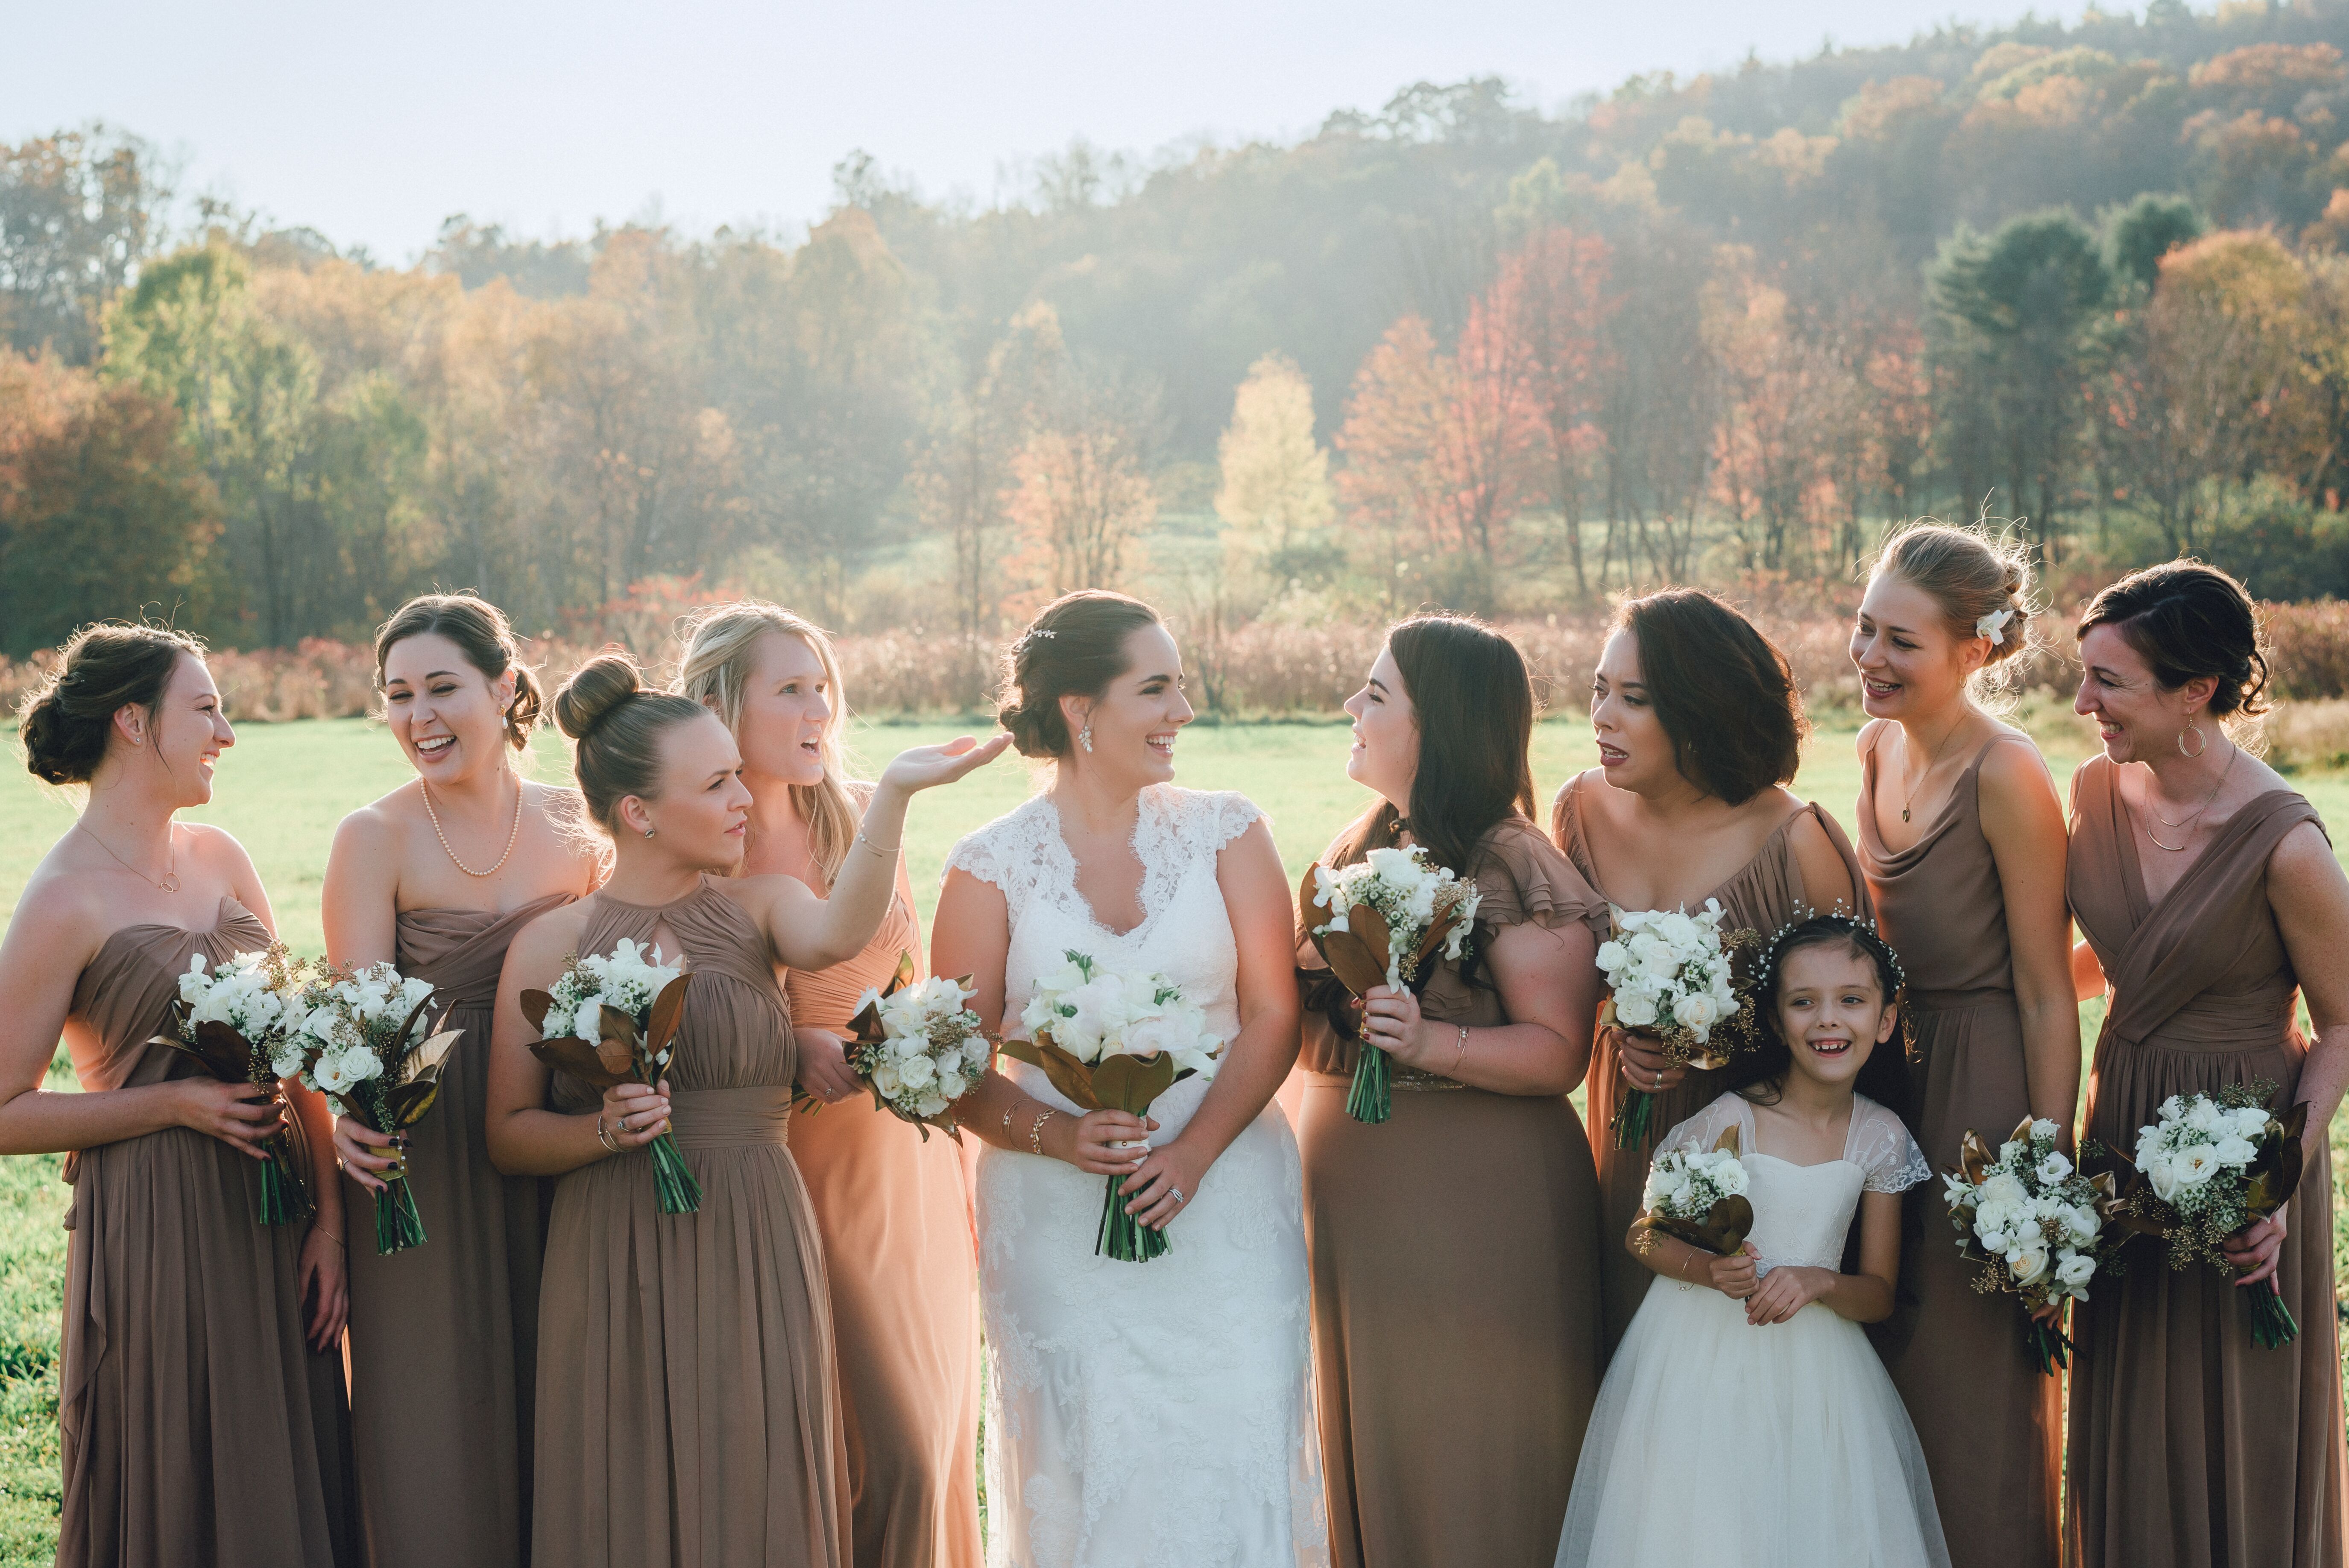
column 930, row 1105
column 2196, row 1165
column 2028, row 1261
column 1730, row 1178
column 2162, row 1172
column 2249, row 1122
column 886, row 1079
column 2075, row 1271
column 1699, row 1012
column 2043, row 1128
column 2233, row 1150
column 2001, row 1188
column 2054, row 1167
column 2173, row 1108
column 2202, row 1116
column 952, row 1086
column 918, row 1072
column 286, row 1063
column 1634, row 1009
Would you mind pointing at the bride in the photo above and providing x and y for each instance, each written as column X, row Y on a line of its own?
column 1137, row 1414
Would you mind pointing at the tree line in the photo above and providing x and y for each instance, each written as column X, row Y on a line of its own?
column 1460, row 350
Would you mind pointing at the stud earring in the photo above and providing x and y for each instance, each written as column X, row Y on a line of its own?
column 648, row 833
column 1085, row 738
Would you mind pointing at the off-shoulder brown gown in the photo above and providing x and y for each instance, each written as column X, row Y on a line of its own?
column 2191, row 1447
column 1761, row 897
column 1456, row 1299
column 1992, row 1426
column 444, row 1337
column 687, row 1411
column 197, row 1427
column 905, row 1292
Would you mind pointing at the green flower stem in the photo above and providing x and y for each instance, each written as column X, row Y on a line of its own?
column 397, row 1225
column 2273, row 1324
column 1122, row 1237
column 1633, row 1112
column 1371, row 1098
column 2048, row 1346
column 680, row 1193
column 284, row 1198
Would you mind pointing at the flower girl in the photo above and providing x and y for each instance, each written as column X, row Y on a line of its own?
column 1746, row 1422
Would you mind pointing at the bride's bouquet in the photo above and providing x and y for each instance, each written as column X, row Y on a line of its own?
column 1115, row 1042
column 2038, row 1227
column 1697, row 1197
column 234, row 1020
column 2208, row 1167
column 611, row 1019
column 919, row 1047
column 364, row 1045
column 1668, row 975
column 1389, row 913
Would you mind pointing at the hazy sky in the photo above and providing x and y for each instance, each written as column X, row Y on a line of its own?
column 372, row 123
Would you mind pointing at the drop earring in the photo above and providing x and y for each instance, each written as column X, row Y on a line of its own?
column 2202, row 741
column 1085, row 738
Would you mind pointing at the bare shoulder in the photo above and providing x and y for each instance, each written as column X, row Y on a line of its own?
column 2303, row 861
column 550, row 938
column 217, row 850
column 65, row 903
column 2014, row 772
column 1870, row 734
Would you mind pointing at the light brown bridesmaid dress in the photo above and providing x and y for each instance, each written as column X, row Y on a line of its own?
column 905, row 1292
column 444, row 1337
column 1990, row 1425
column 687, row 1409
column 198, row 1428
column 1456, row 1299
column 1762, row 897
column 2191, row 1447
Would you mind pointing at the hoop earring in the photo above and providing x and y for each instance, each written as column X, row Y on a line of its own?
column 1085, row 738
column 2202, row 741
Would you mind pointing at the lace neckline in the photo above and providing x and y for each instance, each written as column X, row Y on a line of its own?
column 1143, row 843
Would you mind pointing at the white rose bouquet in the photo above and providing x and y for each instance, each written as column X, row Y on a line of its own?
column 235, row 1019
column 1115, row 1042
column 1388, row 914
column 363, row 1044
column 1668, row 975
column 2208, row 1167
column 2038, row 1227
column 919, row 1047
column 612, row 1018
column 1697, row 1197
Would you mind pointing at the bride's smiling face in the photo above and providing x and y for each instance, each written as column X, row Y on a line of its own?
column 1135, row 718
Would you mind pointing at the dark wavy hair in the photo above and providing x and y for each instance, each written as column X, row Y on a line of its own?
column 1472, row 699
column 2186, row 619
column 1722, row 691
column 1074, row 646
column 1759, row 1072
column 66, row 721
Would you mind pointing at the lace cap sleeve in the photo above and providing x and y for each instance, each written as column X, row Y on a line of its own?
column 1703, row 1131
column 1879, row 1144
column 1224, row 815
column 1010, row 853
column 1521, row 876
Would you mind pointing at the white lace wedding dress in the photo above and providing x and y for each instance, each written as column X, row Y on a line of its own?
column 1154, row 1415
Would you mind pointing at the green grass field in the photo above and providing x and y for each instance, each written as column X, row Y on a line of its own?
column 284, row 787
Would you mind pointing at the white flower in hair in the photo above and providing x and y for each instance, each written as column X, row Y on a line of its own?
column 1993, row 627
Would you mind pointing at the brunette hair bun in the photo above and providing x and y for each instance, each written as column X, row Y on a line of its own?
column 1075, row 647
column 2187, row 620
column 616, row 726
column 486, row 638
column 64, row 725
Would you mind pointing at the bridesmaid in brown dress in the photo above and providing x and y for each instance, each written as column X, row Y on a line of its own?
column 196, row 1424
column 1453, row 1246
column 1962, row 842
column 436, row 877
column 1699, row 727
column 892, row 1207
column 688, row 1410
column 2209, row 893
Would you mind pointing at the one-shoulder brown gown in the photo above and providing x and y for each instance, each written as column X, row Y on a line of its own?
column 1990, row 1425
column 687, row 1411
column 444, row 1337
column 1762, row 897
column 198, row 1428
column 905, row 1292
column 1455, row 1295
column 2191, row 1447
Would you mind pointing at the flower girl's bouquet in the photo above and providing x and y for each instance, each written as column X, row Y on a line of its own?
column 2208, row 1166
column 1668, row 975
column 1115, row 1042
column 612, row 1019
column 235, row 1021
column 365, row 1045
column 1389, row 913
column 919, row 1047
column 1697, row 1197
column 2037, row 1226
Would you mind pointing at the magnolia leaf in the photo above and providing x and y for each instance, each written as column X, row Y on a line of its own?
column 535, row 1006
column 2021, row 1133
column 1129, row 1083
column 222, row 1051
column 1369, row 927
column 582, row 1061
column 405, row 1103
column 408, row 1027
column 1721, row 1232
column 1352, row 961
column 1727, row 1143
column 1308, row 914
column 1974, row 1159
column 667, row 1012
column 1067, row 1073
column 903, row 976
column 866, row 1026
column 2276, row 1173
column 428, row 1057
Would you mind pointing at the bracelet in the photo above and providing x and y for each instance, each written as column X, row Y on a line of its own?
column 1462, row 1055
column 603, row 1136
column 1006, row 1119
column 885, row 854
column 328, row 1234
column 1036, row 1131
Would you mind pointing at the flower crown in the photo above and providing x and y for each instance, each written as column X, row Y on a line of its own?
column 1810, row 923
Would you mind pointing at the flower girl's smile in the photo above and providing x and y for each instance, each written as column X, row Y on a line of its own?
column 1832, row 1011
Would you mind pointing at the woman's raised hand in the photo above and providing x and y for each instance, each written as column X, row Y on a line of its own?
column 634, row 1115
column 925, row 766
column 229, row 1112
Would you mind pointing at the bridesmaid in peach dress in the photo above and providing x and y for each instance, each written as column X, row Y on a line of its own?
column 893, row 1208
column 196, row 1424
column 1962, row 840
column 437, row 877
column 2207, row 894
column 1699, row 729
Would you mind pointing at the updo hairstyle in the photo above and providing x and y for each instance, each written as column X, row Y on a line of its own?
column 63, row 724
column 1075, row 647
column 616, row 725
column 1724, row 693
column 483, row 634
column 1968, row 574
column 2187, row 620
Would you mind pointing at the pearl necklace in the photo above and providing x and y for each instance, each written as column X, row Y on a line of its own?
column 512, row 836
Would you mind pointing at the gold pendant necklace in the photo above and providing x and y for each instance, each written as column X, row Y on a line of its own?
column 2191, row 815
column 170, row 882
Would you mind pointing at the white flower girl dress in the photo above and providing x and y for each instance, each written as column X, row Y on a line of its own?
column 1784, row 1446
